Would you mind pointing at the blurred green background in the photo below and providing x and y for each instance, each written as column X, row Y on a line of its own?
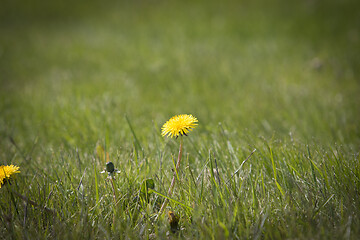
column 70, row 71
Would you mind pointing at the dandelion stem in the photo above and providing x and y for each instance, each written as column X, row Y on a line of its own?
column 114, row 196
column 27, row 200
column 172, row 185
column 113, row 188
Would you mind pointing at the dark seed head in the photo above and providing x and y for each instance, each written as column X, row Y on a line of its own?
column 110, row 167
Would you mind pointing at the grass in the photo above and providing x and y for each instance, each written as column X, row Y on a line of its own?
column 281, row 78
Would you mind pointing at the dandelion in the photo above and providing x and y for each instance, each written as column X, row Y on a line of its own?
column 110, row 169
column 6, row 172
column 179, row 125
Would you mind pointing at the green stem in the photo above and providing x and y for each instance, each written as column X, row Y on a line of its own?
column 172, row 185
column 113, row 188
column 114, row 197
column 27, row 200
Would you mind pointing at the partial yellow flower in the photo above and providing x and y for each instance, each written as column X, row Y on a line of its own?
column 6, row 172
column 179, row 125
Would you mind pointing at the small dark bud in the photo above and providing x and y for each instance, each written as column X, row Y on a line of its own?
column 174, row 221
column 110, row 167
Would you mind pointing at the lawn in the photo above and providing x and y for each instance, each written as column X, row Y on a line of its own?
column 275, row 88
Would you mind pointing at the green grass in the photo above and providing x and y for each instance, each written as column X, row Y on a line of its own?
column 279, row 77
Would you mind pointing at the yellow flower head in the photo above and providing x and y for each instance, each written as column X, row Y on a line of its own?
column 6, row 172
column 179, row 125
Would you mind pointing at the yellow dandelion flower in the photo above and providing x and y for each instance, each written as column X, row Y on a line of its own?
column 6, row 172
column 179, row 125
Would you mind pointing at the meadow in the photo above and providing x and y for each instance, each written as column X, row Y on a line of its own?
column 274, row 86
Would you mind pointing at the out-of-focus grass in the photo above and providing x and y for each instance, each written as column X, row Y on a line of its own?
column 281, row 77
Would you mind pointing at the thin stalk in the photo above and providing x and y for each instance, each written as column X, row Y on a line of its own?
column 114, row 196
column 172, row 185
column 113, row 188
column 27, row 200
